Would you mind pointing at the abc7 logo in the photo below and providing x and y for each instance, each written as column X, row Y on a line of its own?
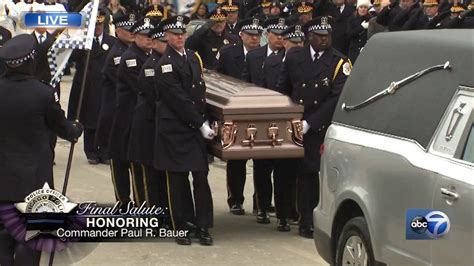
column 435, row 224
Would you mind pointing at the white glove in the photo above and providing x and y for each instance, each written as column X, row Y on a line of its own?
column 305, row 127
column 206, row 131
column 365, row 24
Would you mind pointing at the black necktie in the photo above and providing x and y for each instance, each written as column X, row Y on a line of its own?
column 97, row 40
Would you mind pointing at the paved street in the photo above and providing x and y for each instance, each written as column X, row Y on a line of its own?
column 237, row 239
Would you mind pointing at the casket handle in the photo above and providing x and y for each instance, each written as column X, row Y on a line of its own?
column 272, row 135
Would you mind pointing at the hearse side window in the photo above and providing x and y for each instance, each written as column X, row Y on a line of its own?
column 468, row 152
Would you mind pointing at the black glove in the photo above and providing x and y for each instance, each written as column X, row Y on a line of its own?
column 78, row 128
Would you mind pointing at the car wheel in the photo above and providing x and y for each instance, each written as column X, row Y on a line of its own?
column 353, row 246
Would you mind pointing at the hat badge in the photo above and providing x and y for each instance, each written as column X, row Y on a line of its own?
column 131, row 17
column 298, row 28
column 255, row 21
column 179, row 21
column 146, row 22
column 281, row 22
column 324, row 20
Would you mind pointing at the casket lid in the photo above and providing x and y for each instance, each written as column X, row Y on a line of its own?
column 230, row 96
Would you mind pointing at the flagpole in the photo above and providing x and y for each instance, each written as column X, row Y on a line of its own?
column 79, row 107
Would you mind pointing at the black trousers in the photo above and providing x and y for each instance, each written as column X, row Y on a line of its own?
column 13, row 253
column 155, row 187
column 179, row 202
column 236, row 176
column 284, row 176
column 307, row 197
column 90, row 149
column 121, row 171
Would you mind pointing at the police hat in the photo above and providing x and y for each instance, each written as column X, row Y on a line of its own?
column 125, row 21
column 293, row 34
column 275, row 25
column 319, row 25
column 153, row 11
column 18, row 50
column 430, row 3
column 250, row 26
column 304, row 7
column 143, row 26
column 175, row 24
column 5, row 35
column 217, row 15
column 157, row 33
column 458, row 8
column 230, row 6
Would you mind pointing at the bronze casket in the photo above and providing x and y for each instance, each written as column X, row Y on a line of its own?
column 250, row 121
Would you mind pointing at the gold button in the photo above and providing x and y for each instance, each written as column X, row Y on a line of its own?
column 202, row 100
column 193, row 102
column 301, row 101
column 316, row 85
column 200, row 82
column 303, row 85
column 193, row 86
column 315, row 102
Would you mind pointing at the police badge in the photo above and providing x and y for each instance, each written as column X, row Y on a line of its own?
column 105, row 46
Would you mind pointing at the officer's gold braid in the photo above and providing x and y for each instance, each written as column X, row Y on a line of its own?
column 200, row 60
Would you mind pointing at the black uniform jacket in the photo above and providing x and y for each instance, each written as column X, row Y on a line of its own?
column 43, row 71
column 29, row 110
column 271, row 69
column 317, row 86
column 131, row 63
column 108, row 99
column 231, row 60
column 253, row 70
column 207, row 44
column 93, row 90
column 180, row 112
column 142, row 135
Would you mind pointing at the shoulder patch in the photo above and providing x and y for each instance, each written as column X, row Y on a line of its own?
column 131, row 62
column 346, row 69
column 149, row 72
column 166, row 68
column 117, row 60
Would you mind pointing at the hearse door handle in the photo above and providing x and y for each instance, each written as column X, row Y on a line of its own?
column 449, row 194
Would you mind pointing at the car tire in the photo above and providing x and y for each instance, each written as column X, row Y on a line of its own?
column 354, row 246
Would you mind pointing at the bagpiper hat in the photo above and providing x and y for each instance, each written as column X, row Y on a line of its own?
column 175, row 24
column 293, row 34
column 250, row 26
column 157, row 33
column 18, row 50
column 458, row 8
column 319, row 25
column 217, row 15
column 377, row 3
column 101, row 16
column 230, row 6
column 143, row 26
column 266, row 3
column 429, row 3
column 5, row 35
column 275, row 25
column 125, row 21
column 304, row 8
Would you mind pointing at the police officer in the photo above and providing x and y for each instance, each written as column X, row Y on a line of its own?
column 5, row 35
column 313, row 76
column 231, row 61
column 231, row 8
column 181, row 131
column 92, row 94
column 254, row 72
column 210, row 38
column 28, row 111
column 125, row 38
column 131, row 63
column 142, row 134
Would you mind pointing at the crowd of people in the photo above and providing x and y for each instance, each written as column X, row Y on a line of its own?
column 144, row 107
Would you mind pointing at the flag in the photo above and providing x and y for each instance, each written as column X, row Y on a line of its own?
column 70, row 39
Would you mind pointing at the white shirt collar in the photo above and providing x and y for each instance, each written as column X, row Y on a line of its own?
column 181, row 53
column 101, row 37
column 37, row 34
column 342, row 7
column 270, row 51
column 313, row 52
column 245, row 51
